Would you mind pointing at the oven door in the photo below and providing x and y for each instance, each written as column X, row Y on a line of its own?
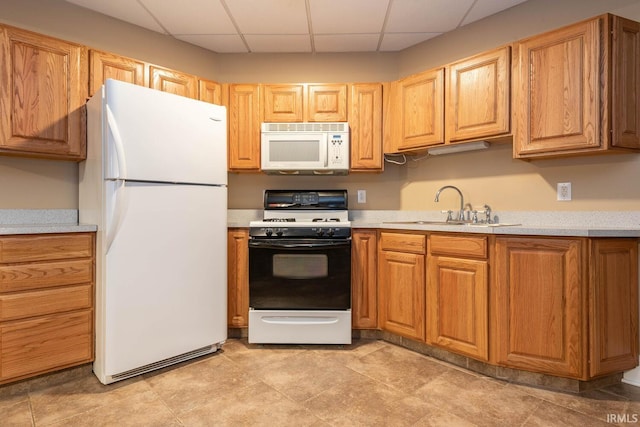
column 300, row 274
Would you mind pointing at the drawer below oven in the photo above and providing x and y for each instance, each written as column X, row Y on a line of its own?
column 300, row 326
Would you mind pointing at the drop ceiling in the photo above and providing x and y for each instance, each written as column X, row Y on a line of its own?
column 300, row 26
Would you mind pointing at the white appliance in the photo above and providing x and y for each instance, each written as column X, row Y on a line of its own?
column 305, row 148
column 155, row 183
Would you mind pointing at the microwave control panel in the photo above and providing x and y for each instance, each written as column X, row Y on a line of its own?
column 338, row 149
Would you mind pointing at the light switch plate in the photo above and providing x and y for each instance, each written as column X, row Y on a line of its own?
column 362, row 196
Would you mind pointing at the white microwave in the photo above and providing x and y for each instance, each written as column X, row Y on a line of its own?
column 305, row 148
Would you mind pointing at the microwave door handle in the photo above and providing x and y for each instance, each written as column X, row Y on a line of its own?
column 325, row 153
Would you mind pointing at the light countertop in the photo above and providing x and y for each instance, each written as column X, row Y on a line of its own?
column 41, row 221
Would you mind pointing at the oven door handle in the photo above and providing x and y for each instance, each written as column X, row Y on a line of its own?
column 289, row 244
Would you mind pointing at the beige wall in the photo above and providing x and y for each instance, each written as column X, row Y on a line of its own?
column 492, row 176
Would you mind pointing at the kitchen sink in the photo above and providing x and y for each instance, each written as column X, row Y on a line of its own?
column 461, row 223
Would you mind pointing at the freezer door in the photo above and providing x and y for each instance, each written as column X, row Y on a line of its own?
column 156, row 136
column 163, row 291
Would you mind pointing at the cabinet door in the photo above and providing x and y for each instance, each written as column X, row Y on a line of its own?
column 209, row 91
column 364, row 299
column 626, row 83
column 457, row 305
column 483, row 77
column 283, row 103
column 365, row 121
column 244, row 127
column 173, row 81
column 613, row 303
column 104, row 65
column 557, row 91
column 540, row 305
column 401, row 284
column 43, row 90
column 326, row 103
column 421, row 110
column 238, row 278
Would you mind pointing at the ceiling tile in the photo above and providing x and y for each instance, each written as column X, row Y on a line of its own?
column 346, row 42
column 398, row 41
column 347, row 16
column 191, row 17
column 417, row 16
column 125, row 10
column 278, row 43
column 269, row 17
column 216, row 43
column 483, row 8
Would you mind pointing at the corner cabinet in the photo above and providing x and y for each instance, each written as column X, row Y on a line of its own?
column 42, row 95
column 401, row 284
column 238, row 277
column 458, row 294
column 593, row 111
column 567, row 306
column 46, row 303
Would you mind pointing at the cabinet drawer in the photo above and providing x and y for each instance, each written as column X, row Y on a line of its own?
column 455, row 245
column 37, row 303
column 413, row 243
column 44, row 344
column 45, row 248
column 42, row 275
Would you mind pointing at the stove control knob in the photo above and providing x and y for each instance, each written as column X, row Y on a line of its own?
column 279, row 233
column 330, row 232
column 320, row 232
column 268, row 232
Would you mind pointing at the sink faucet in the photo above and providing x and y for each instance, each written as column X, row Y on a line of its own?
column 461, row 211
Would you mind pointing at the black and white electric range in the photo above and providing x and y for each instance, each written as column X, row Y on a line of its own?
column 300, row 269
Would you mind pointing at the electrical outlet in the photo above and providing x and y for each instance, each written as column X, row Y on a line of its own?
column 564, row 191
column 362, row 196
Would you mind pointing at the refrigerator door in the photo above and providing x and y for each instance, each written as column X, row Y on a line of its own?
column 156, row 136
column 165, row 275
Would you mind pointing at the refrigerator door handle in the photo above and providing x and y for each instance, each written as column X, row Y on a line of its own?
column 119, row 206
column 117, row 142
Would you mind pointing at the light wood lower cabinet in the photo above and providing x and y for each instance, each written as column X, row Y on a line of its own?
column 46, row 303
column 401, row 284
column 364, row 297
column 458, row 294
column 238, row 277
column 540, row 303
column 613, row 305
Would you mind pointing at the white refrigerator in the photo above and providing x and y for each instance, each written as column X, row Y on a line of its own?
column 155, row 183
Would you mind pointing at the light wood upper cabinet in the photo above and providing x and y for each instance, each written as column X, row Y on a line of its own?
column 42, row 95
column 573, row 89
column 478, row 96
column 172, row 81
column 244, row 127
column 364, row 298
column 401, row 284
column 419, row 117
column 283, row 103
column 458, row 294
column 613, row 305
column 238, row 277
column 326, row 102
column 365, row 121
column 209, row 91
column 105, row 65
column 540, row 304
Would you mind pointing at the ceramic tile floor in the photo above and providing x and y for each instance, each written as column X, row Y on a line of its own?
column 369, row 383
